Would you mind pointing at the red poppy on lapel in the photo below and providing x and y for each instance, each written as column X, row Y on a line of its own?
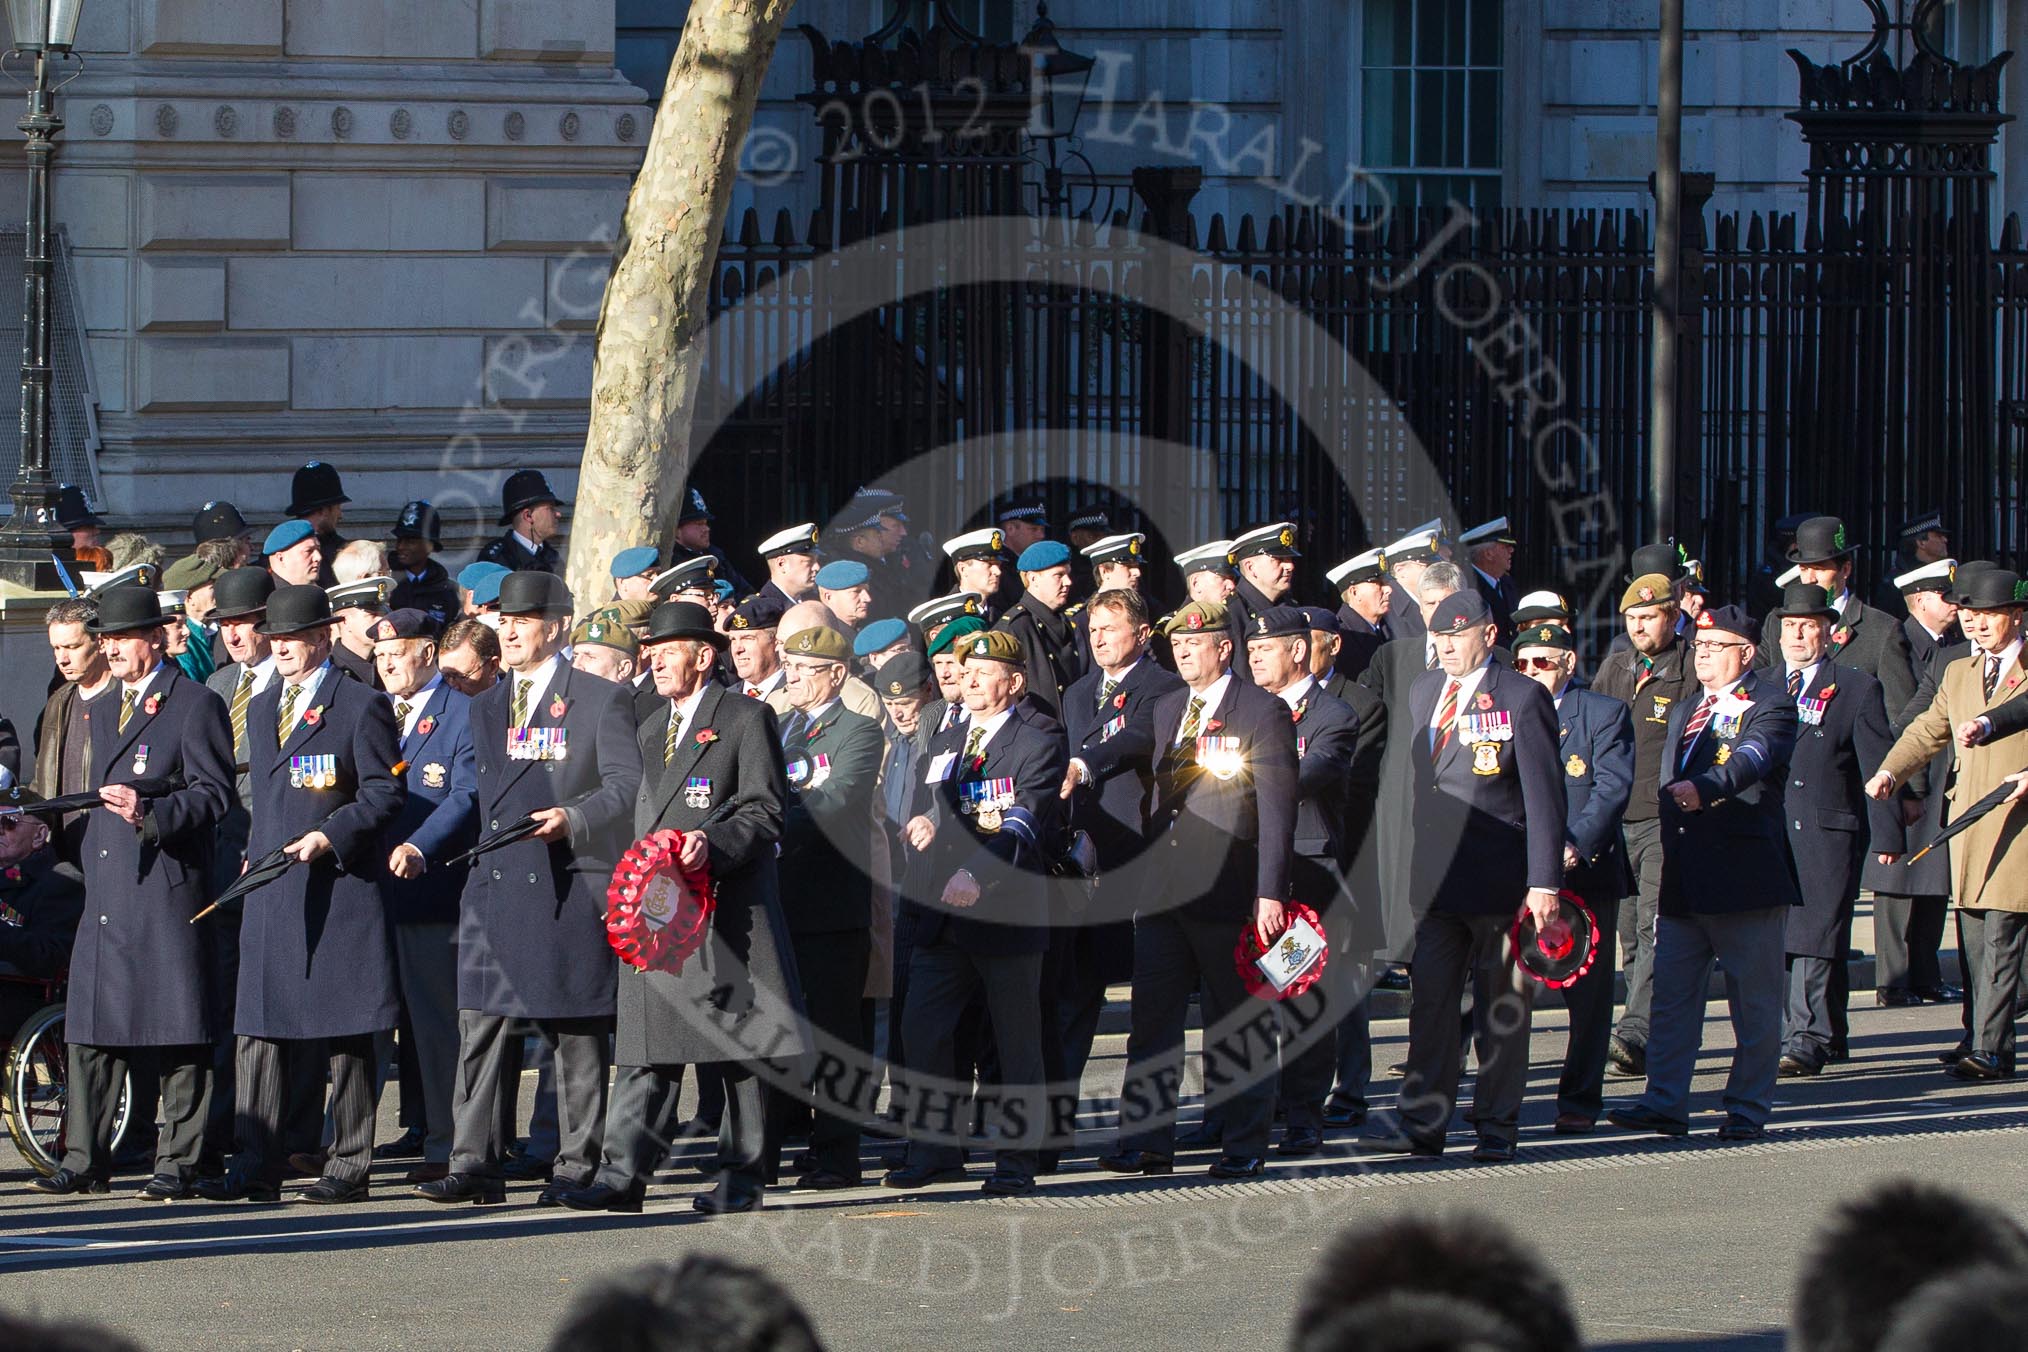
column 314, row 717
column 557, row 705
column 1828, row 691
column 1484, row 700
column 1841, row 636
column 1213, row 726
column 1120, row 700
column 423, row 728
column 706, row 736
column 13, row 874
column 151, row 704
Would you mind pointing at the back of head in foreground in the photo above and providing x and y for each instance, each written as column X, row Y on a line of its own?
column 1467, row 1257
column 698, row 1304
column 1411, row 1321
column 1981, row 1309
column 1874, row 1251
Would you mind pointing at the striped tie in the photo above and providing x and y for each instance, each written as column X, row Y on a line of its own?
column 1447, row 720
column 1989, row 680
column 1192, row 716
column 1698, row 719
column 973, row 742
column 517, row 712
column 1106, row 691
column 669, row 740
column 401, row 711
column 1795, row 685
column 287, row 719
column 127, row 707
column 242, row 695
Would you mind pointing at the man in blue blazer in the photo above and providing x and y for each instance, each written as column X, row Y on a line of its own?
column 1223, row 827
column 1489, row 821
column 1727, row 881
column 316, row 966
column 1595, row 738
column 438, row 821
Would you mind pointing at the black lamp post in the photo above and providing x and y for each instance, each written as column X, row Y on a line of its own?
column 1056, row 85
column 43, row 30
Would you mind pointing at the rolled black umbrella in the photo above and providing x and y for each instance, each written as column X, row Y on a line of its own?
column 506, row 835
column 153, row 787
column 258, row 874
column 1965, row 819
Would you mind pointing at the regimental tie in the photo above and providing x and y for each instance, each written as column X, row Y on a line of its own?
column 288, row 712
column 1990, row 680
column 975, row 740
column 1644, row 671
column 1106, row 691
column 127, row 704
column 1447, row 720
column 242, row 696
column 669, row 740
column 1795, row 685
column 517, row 712
column 401, row 709
column 1192, row 717
column 1698, row 719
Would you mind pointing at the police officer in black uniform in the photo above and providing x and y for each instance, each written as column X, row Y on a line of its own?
column 317, row 496
column 533, row 516
column 420, row 582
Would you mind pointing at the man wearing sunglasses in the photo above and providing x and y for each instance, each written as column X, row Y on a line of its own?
column 1595, row 738
column 1727, row 881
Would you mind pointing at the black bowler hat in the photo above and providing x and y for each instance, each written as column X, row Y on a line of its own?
column 1991, row 589
column 293, row 609
column 684, row 620
column 1821, row 539
column 524, row 488
column 315, row 485
column 1664, row 558
column 72, row 511
column 533, row 592
column 218, row 521
column 126, row 608
column 240, row 592
column 1804, row 600
column 418, row 521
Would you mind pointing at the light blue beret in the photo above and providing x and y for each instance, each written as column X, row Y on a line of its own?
column 1043, row 554
column 634, row 562
column 289, row 533
column 880, row 634
column 472, row 574
column 841, row 575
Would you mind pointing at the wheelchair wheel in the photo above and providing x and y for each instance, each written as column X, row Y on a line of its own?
column 32, row 1097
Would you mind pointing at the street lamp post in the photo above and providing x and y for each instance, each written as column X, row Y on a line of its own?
column 41, row 29
column 1056, row 85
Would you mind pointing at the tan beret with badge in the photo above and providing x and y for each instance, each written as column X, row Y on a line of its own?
column 1649, row 589
column 1197, row 617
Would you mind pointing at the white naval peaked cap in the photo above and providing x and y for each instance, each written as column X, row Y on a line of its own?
column 1374, row 560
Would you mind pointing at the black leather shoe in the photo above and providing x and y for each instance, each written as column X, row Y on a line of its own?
column 920, row 1176
column 552, row 1192
column 1626, row 1059
column 597, row 1196
column 726, row 1201
column 328, row 1191
column 1393, row 979
column 1491, row 1151
column 1895, row 998
column 1794, row 1067
column 1979, row 1066
column 1048, row 1161
column 231, row 1189
column 464, row 1188
column 1737, row 1128
column 1203, row 1136
column 1007, row 1185
column 163, row 1188
column 1300, row 1141
column 1954, row 1055
column 527, row 1168
column 1136, row 1162
column 1344, row 1114
column 1942, row 995
column 825, row 1180
column 69, row 1183
column 407, row 1146
column 1638, row 1118
column 1238, row 1166
column 1396, row 1143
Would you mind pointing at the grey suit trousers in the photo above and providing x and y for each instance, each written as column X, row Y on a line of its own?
column 486, row 1057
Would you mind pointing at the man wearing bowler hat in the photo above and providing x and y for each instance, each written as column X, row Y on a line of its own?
column 139, row 970
column 316, row 969
column 317, row 496
column 556, row 745
column 420, row 582
column 712, row 772
column 1861, row 636
column 1728, row 882
column 534, row 517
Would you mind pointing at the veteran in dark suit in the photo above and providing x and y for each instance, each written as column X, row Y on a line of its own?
column 1728, row 882
column 1841, row 738
column 714, row 773
column 976, row 911
column 1861, row 636
column 1488, row 838
column 1223, row 824
column 831, row 761
column 556, row 746
column 316, row 965
column 439, row 821
column 1109, row 716
column 139, row 973
column 1595, row 741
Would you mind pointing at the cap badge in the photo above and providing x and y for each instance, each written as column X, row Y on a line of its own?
column 1194, row 620
column 1647, row 593
column 1287, row 537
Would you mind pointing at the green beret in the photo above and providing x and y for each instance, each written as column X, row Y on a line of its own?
column 1197, row 617
column 604, row 629
column 1545, row 636
column 959, row 628
column 819, row 641
column 995, row 645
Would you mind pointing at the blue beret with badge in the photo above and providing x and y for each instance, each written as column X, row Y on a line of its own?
column 1043, row 554
column 287, row 535
column 878, row 635
column 842, row 575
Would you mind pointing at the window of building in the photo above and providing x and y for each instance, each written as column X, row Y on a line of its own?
column 992, row 20
column 1966, row 30
column 1429, row 105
